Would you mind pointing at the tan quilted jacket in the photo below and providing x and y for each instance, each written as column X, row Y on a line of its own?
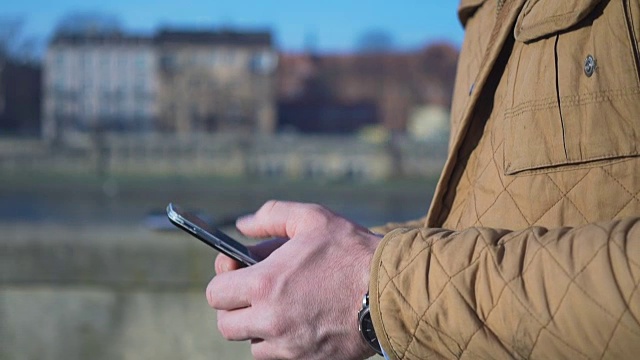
column 531, row 248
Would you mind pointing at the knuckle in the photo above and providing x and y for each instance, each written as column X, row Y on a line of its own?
column 269, row 205
column 218, row 264
column 314, row 208
column 262, row 287
column 284, row 324
column 258, row 353
column 278, row 329
column 291, row 352
column 209, row 294
column 274, row 324
column 314, row 214
column 223, row 328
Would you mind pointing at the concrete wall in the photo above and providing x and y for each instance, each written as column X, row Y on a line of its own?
column 80, row 322
column 106, row 293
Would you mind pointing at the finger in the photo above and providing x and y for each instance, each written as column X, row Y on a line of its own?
column 237, row 325
column 223, row 263
column 273, row 219
column 247, row 324
column 229, row 290
column 264, row 350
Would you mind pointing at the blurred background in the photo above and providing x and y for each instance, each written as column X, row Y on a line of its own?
column 109, row 111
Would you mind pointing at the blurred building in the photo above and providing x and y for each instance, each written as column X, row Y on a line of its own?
column 325, row 116
column 216, row 81
column 20, row 97
column 395, row 83
column 100, row 82
column 3, row 91
column 175, row 81
column 429, row 123
column 306, row 104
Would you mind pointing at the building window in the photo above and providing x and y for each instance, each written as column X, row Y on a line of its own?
column 86, row 84
column 140, row 110
column 230, row 57
column 141, row 63
column 58, row 80
column 214, row 58
column 264, row 62
column 168, row 62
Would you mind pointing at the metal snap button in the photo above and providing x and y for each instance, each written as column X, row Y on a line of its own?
column 590, row 66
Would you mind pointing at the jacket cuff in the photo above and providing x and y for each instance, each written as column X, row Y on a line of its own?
column 374, row 293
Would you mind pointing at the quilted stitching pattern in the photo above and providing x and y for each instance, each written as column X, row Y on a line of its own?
column 509, row 293
column 567, row 195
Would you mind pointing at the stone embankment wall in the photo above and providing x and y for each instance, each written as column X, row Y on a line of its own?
column 294, row 157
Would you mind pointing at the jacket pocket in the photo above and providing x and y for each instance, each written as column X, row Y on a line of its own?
column 573, row 85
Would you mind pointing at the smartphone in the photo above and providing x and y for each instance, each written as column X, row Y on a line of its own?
column 211, row 236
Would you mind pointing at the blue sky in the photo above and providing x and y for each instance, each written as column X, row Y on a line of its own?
column 334, row 25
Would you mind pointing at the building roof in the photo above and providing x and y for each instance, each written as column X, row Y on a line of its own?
column 222, row 37
column 181, row 36
column 99, row 39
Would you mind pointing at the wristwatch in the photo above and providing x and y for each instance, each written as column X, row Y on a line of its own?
column 365, row 325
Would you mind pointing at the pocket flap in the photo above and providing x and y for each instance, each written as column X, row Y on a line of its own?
column 541, row 18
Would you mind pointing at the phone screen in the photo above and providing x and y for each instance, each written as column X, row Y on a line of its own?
column 209, row 235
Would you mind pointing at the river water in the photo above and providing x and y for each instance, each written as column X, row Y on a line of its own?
column 116, row 204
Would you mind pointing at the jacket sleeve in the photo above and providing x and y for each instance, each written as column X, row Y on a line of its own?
column 486, row 293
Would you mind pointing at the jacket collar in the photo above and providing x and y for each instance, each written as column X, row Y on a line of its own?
column 467, row 8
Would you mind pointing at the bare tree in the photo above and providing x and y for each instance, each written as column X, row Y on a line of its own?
column 14, row 45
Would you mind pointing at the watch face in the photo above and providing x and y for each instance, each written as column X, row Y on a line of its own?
column 367, row 330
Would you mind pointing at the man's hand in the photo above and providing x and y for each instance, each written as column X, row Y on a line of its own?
column 302, row 300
